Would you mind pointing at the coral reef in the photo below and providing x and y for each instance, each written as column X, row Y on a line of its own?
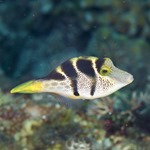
column 77, row 145
column 38, row 122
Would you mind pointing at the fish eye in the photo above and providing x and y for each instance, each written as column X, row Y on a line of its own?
column 104, row 71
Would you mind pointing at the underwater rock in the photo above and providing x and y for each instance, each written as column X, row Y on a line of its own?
column 40, row 123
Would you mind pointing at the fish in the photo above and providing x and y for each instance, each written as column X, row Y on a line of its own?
column 83, row 77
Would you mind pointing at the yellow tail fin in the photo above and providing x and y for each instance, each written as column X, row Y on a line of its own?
column 33, row 86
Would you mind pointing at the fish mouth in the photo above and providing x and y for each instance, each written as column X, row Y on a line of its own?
column 124, row 78
column 127, row 79
column 33, row 86
column 130, row 79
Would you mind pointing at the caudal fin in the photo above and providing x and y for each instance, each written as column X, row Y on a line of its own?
column 33, row 86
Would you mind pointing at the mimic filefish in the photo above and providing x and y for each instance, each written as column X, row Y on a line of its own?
column 83, row 77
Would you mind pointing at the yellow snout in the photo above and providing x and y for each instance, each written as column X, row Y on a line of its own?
column 33, row 86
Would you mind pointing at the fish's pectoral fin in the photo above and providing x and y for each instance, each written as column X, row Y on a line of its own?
column 33, row 86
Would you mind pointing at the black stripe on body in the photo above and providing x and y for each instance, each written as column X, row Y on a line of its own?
column 93, row 87
column 75, row 88
column 55, row 76
column 85, row 66
column 99, row 63
column 68, row 68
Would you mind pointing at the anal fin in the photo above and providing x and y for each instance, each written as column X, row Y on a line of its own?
column 69, row 103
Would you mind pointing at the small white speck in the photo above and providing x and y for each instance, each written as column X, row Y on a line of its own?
column 1, row 128
column 52, row 142
column 44, row 117
column 110, row 113
column 57, row 105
